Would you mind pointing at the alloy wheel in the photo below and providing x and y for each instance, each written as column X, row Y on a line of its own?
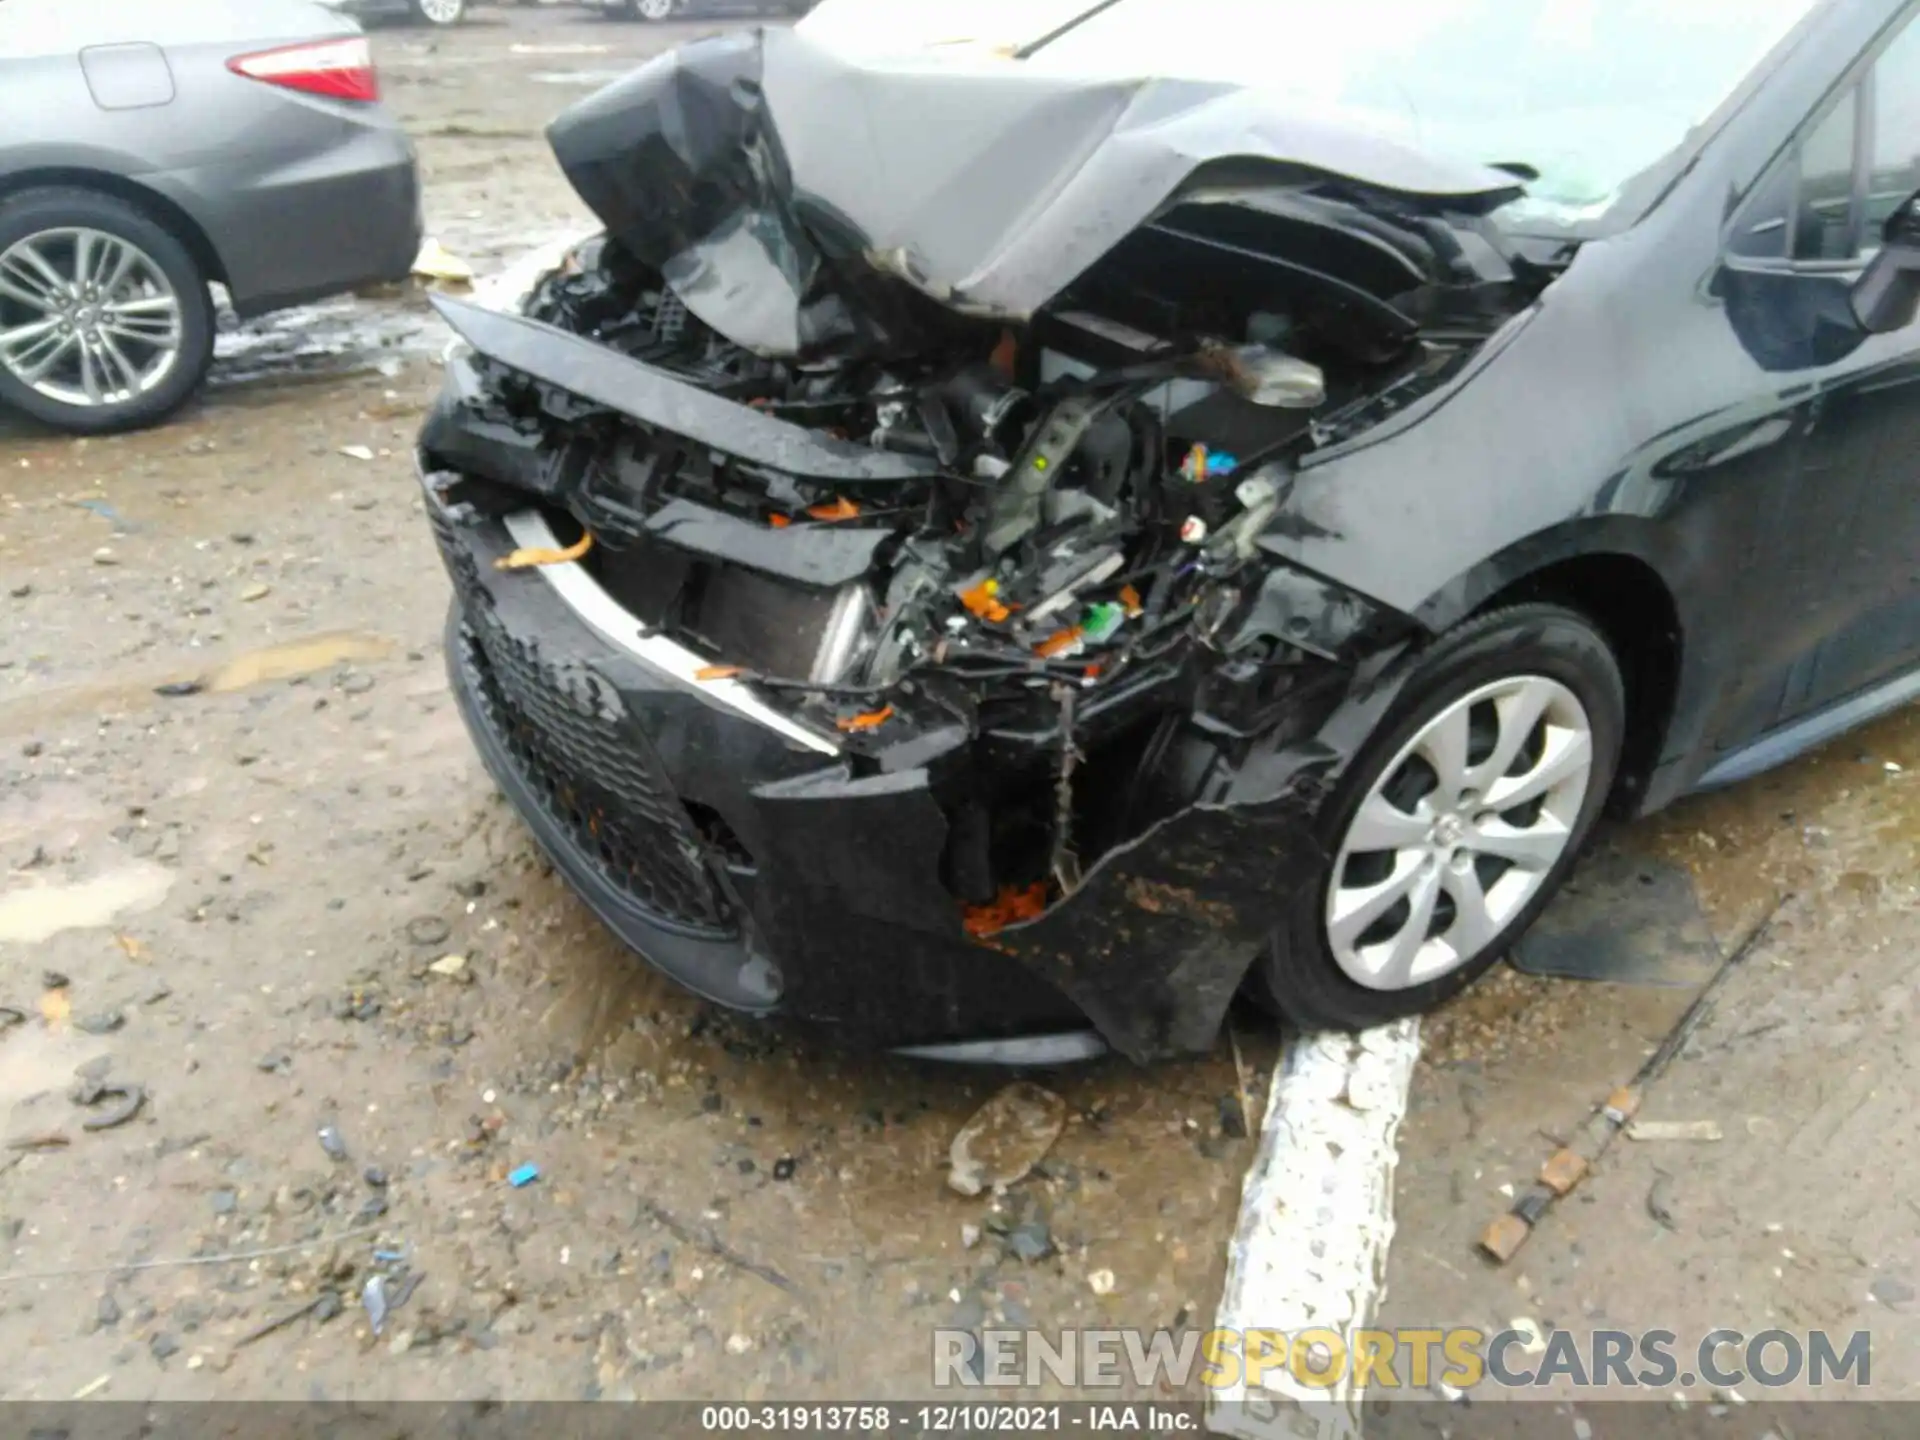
column 1459, row 832
column 654, row 9
column 86, row 318
column 441, row 12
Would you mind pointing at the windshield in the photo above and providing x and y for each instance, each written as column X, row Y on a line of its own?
column 1588, row 93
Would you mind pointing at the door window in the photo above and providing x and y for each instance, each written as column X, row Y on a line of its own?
column 1894, row 174
column 1814, row 207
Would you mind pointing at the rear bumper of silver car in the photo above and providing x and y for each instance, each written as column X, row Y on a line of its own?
column 324, row 221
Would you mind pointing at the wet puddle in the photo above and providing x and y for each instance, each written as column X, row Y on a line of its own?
column 583, row 78
column 297, row 658
column 286, row 661
column 34, row 914
column 353, row 334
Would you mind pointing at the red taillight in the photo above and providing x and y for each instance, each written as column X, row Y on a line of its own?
column 338, row 69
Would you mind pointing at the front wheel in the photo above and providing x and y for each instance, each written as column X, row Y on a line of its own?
column 440, row 12
column 651, row 9
column 105, row 319
column 1456, row 822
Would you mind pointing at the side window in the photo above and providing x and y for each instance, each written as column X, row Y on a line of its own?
column 1812, row 207
column 1894, row 174
column 1803, row 209
column 1823, row 213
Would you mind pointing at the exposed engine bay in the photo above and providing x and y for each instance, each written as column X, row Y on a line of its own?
column 924, row 515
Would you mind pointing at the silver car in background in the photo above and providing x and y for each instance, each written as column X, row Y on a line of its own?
column 150, row 149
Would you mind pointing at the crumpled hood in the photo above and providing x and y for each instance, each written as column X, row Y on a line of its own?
column 775, row 182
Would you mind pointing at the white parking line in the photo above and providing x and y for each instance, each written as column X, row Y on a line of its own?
column 1316, row 1221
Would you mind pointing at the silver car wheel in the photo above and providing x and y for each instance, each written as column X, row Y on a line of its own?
column 441, row 12
column 655, row 9
column 86, row 318
column 1459, row 832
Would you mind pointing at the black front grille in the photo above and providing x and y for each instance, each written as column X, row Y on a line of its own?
column 567, row 733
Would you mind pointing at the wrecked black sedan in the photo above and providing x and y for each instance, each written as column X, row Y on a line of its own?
column 1000, row 558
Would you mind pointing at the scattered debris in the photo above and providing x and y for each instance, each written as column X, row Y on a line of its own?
column 93, row 1386
column 280, row 1322
column 373, row 1298
column 1660, row 1200
column 1101, row 1282
column 231, row 1257
column 449, row 965
column 784, row 1167
column 969, row 1236
column 101, row 1022
column 1030, row 1240
column 175, row 689
column 1233, row 1117
column 1239, row 1085
column 403, row 1289
column 105, row 512
column 738, row 1344
column 523, row 1176
column 1891, row 1291
column 1675, row 1130
column 1006, row 1138
column 127, row 1100
column 436, row 262
column 356, row 452
column 427, row 930
column 41, row 1140
column 1504, row 1236
column 712, row 1244
column 331, row 1142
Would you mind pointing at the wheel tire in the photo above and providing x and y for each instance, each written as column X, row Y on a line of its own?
column 1298, row 976
column 442, row 14
column 34, row 212
column 652, row 11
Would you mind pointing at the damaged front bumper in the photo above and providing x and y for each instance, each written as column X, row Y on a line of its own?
column 755, row 861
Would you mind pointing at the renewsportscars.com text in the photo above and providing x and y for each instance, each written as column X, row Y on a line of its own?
column 1406, row 1358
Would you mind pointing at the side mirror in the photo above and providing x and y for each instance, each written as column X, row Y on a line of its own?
column 1886, row 297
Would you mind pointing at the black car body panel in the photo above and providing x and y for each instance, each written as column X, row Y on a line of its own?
column 989, row 825
column 844, row 916
column 989, row 191
column 605, row 377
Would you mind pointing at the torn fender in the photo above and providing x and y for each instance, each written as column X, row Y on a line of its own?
column 1154, row 944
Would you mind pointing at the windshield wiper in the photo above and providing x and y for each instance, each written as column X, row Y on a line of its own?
column 1519, row 169
column 1074, row 24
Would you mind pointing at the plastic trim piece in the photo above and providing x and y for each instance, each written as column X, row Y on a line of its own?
column 606, row 616
column 1066, row 1048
